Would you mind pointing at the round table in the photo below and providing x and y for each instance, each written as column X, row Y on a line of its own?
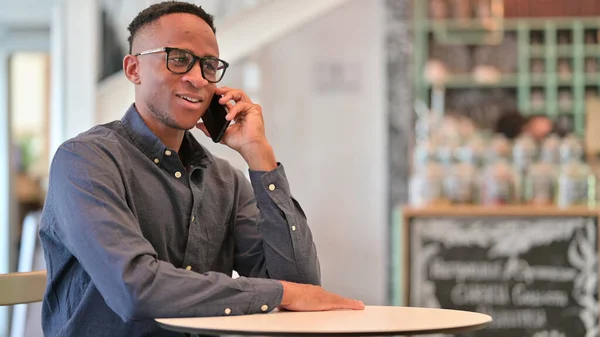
column 373, row 321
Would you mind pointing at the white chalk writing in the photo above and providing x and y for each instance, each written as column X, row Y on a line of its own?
column 515, row 318
column 489, row 294
column 513, row 268
column 502, row 237
column 522, row 296
column 465, row 270
column 520, row 270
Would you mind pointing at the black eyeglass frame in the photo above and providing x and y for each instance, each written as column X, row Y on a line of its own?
column 202, row 59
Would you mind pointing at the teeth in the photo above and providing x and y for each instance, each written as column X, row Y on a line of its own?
column 190, row 99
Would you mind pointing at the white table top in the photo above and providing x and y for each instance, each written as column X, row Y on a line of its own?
column 373, row 321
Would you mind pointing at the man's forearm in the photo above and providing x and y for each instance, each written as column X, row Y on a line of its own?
column 289, row 250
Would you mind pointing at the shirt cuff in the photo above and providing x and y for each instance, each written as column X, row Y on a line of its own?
column 268, row 295
column 270, row 184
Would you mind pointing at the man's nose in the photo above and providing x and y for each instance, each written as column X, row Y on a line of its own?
column 194, row 76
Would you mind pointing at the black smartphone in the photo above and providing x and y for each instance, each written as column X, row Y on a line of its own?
column 214, row 119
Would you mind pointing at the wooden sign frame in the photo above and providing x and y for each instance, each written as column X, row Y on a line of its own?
column 409, row 214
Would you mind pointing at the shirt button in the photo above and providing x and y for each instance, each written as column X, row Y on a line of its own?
column 177, row 174
column 227, row 311
column 168, row 152
column 188, row 268
column 272, row 187
column 193, row 218
column 264, row 307
column 156, row 161
column 293, row 228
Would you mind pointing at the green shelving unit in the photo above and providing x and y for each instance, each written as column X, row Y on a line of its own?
column 551, row 82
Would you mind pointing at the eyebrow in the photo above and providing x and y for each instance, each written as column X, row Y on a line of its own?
column 191, row 52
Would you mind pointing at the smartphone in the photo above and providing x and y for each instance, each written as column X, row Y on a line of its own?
column 214, row 119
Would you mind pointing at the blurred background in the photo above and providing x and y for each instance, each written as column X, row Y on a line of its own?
column 372, row 106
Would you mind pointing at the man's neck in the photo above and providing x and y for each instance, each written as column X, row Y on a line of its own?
column 171, row 137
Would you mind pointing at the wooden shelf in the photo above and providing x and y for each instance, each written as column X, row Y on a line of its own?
column 565, row 51
column 592, row 79
column 522, row 32
column 468, row 81
column 462, row 81
column 510, row 24
column 498, row 211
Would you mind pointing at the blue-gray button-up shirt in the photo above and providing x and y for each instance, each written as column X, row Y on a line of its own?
column 133, row 231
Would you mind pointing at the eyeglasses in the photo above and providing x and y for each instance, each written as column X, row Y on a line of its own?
column 180, row 61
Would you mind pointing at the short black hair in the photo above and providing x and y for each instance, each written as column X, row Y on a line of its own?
column 511, row 124
column 159, row 10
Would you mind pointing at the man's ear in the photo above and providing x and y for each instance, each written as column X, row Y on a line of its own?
column 131, row 68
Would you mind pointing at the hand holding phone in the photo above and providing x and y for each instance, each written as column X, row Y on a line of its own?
column 246, row 135
column 214, row 119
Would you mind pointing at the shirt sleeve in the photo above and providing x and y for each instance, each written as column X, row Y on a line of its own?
column 273, row 239
column 96, row 225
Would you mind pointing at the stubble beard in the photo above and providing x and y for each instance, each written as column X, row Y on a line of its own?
column 164, row 117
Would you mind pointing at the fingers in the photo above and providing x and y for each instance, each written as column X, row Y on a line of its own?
column 346, row 303
column 239, row 110
column 231, row 94
column 301, row 297
column 339, row 302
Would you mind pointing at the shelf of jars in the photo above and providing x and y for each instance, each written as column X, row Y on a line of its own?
column 454, row 163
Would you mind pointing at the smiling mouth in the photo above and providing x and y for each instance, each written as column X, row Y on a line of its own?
column 189, row 99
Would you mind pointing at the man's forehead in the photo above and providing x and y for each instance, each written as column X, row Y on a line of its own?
column 177, row 28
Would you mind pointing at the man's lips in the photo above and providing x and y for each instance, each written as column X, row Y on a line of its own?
column 190, row 98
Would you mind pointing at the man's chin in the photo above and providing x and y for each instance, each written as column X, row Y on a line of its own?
column 182, row 126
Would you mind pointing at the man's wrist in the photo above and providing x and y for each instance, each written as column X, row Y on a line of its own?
column 259, row 157
column 286, row 298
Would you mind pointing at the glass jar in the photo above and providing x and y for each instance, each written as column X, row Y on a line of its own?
column 460, row 185
column 540, row 184
column 426, row 185
column 570, row 149
column 499, row 184
column 473, row 151
column 499, row 148
column 524, row 153
column 550, row 151
column 575, row 181
column 424, row 153
column 446, row 151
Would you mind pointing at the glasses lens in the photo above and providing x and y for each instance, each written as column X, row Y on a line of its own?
column 179, row 61
column 213, row 69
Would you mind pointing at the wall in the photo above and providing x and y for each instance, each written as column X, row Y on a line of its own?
column 323, row 97
column 122, row 12
column 323, row 94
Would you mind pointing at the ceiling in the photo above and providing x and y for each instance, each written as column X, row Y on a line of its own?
column 35, row 14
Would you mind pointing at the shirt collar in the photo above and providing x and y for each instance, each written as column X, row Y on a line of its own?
column 192, row 153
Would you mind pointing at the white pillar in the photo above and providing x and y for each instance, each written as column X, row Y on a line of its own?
column 7, row 201
column 75, row 41
column 57, row 79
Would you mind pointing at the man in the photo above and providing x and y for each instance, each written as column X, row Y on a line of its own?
column 142, row 222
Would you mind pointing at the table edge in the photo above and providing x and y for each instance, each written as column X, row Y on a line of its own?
column 217, row 332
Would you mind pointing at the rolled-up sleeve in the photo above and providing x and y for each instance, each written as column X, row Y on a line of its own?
column 273, row 236
column 96, row 225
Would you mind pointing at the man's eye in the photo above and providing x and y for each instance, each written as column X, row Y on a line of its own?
column 182, row 60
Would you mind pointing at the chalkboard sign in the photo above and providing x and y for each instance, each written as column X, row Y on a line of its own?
column 536, row 277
